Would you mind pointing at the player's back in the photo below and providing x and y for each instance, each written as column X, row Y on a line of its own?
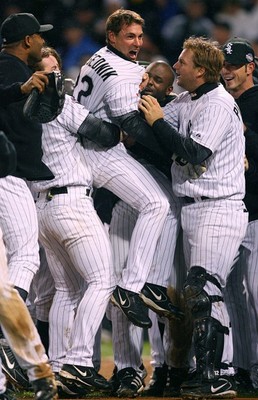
column 108, row 84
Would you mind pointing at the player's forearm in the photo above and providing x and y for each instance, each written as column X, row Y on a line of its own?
column 101, row 132
column 186, row 148
column 134, row 125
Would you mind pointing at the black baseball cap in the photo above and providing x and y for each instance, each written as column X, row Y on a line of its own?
column 238, row 51
column 17, row 26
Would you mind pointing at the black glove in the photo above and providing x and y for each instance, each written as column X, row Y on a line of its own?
column 7, row 156
column 46, row 106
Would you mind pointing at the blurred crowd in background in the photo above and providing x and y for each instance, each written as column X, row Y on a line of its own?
column 79, row 25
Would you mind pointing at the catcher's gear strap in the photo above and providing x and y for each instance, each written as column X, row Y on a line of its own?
column 101, row 132
column 197, row 299
column 208, row 337
column 46, row 106
column 8, row 157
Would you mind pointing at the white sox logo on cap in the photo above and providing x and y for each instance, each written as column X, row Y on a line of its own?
column 228, row 48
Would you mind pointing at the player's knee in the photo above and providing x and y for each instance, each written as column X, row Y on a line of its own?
column 197, row 299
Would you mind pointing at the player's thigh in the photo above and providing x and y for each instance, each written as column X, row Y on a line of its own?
column 250, row 244
column 130, row 181
column 18, row 220
column 73, row 223
column 214, row 231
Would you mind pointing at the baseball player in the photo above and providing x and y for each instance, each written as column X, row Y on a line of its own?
column 18, row 327
column 78, row 251
column 205, row 128
column 21, row 45
column 108, row 85
column 241, row 290
column 127, row 339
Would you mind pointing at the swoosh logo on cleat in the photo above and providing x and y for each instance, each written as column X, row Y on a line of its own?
column 84, row 374
column 121, row 299
column 157, row 297
column 216, row 389
column 8, row 363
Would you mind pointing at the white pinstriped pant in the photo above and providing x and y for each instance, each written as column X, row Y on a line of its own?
column 120, row 173
column 213, row 231
column 127, row 341
column 18, row 219
column 78, row 251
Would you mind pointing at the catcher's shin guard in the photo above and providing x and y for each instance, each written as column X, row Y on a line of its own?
column 208, row 338
column 208, row 332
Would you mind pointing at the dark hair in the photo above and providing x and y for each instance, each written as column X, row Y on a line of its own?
column 122, row 17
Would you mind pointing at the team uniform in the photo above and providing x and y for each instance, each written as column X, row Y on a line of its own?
column 127, row 340
column 76, row 246
column 213, row 219
column 241, row 290
column 108, row 86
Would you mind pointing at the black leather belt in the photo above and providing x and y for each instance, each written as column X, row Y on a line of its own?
column 62, row 190
column 191, row 200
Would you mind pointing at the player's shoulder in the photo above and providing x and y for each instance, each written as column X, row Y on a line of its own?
column 110, row 64
column 219, row 96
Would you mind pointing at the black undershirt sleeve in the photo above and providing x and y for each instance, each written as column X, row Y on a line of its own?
column 186, row 148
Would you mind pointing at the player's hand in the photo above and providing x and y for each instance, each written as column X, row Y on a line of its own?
column 246, row 164
column 38, row 80
column 151, row 109
column 145, row 80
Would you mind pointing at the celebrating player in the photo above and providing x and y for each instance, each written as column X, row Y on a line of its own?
column 237, row 73
column 213, row 216
column 108, row 85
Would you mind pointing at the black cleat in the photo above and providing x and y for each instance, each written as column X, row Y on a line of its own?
column 66, row 390
column 155, row 297
column 12, row 370
column 176, row 376
column 131, row 383
column 243, row 382
column 85, row 378
column 44, row 388
column 222, row 388
column 114, row 382
column 157, row 382
column 132, row 306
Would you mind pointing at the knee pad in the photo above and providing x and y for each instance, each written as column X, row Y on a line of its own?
column 197, row 299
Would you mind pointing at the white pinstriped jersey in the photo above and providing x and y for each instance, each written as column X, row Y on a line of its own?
column 108, row 85
column 60, row 148
column 214, row 121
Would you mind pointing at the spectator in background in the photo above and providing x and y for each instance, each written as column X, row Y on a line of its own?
column 221, row 32
column 234, row 14
column 79, row 46
column 192, row 21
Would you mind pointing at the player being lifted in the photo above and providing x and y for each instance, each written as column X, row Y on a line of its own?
column 108, row 85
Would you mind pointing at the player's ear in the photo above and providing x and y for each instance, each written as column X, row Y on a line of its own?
column 169, row 90
column 200, row 71
column 111, row 37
